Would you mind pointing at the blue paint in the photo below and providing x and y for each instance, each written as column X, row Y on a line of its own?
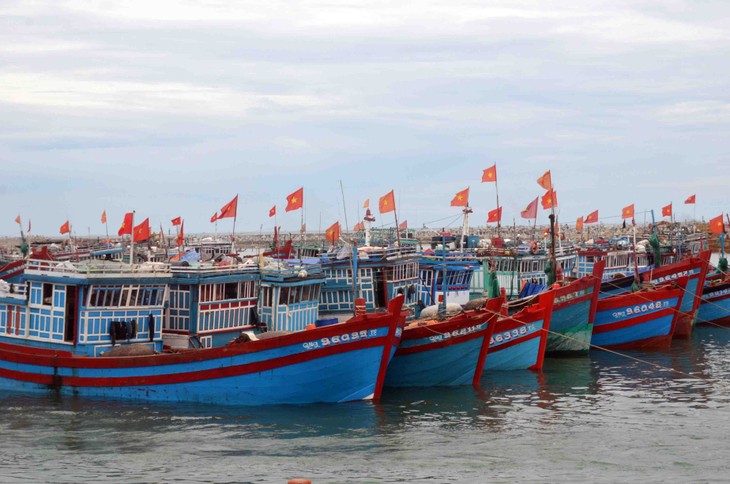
column 648, row 329
column 445, row 366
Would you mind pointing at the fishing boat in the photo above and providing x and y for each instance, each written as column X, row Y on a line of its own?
column 695, row 269
column 445, row 352
column 445, row 274
column 574, row 309
column 94, row 329
column 517, row 266
column 638, row 320
column 715, row 303
column 376, row 274
column 519, row 340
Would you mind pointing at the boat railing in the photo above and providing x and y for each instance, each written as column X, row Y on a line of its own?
column 96, row 268
column 207, row 268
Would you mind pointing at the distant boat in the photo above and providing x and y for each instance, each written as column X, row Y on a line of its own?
column 444, row 353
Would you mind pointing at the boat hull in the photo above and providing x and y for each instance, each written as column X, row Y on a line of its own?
column 695, row 269
column 638, row 320
column 519, row 341
column 715, row 305
column 447, row 353
column 332, row 364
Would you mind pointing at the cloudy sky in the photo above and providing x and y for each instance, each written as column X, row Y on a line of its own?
column 172, row 107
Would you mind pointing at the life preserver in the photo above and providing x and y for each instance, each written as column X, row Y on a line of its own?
column 533, row 248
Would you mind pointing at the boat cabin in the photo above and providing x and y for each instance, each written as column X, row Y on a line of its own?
column 85, row 308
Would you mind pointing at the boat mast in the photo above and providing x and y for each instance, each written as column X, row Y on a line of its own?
column 465, row 226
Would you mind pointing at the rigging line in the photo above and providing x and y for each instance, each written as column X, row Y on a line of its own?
column 439, row 220
column 618, row 353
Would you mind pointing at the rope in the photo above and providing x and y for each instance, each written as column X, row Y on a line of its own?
column 618, row 353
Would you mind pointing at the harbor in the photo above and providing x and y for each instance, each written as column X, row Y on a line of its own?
column 362, row 242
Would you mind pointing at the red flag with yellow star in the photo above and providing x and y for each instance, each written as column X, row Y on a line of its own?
column 126, row 227
column 295, row 201
column 717, row 226
column 387, row 202
column 628, row 212
column 333, row 232
column 490, row 174
column 461, row 199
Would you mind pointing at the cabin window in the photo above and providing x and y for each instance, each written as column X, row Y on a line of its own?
column 47, row 294
column 293, row 295
column 231, row 290
column 284, row 295
column 306, row 293
column 266, row 296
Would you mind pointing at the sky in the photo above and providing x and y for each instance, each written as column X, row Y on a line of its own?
column 172, row 107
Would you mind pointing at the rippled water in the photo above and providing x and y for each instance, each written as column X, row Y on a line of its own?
column 603, row 417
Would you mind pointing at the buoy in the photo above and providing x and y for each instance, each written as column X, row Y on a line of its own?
column 311, row 326
column 299, row 481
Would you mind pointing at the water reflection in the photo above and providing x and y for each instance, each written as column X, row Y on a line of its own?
column 580, row 412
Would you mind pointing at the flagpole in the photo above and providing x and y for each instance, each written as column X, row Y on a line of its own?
column 344, row 207
column 395, row 214
column 499, row 219
column 131, row 245
column 233, row 234
column 276, row 235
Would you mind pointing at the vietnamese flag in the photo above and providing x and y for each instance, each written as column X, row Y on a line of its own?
column 667, row 211
column 628, row 212
column 366, row 204
column 592, row 218
column 142, row 231
column 176, row 221
column 403, row 225
column 531, row 210
column 126, row 227
column 65, row 228
column 716, row 225
column 490, row 174
column 295, row 201
column 357, row 228
column 103, row 217
column 272, row 211
column 579, row 224
column 549, row 200
column 546, row 181
column 461, row 199
column 214, row 218
column 181, row 236
column 333, row 232
column 690, row 200
column 229, row 209
column 387, row 202
column 17, row 220
column 494, row 215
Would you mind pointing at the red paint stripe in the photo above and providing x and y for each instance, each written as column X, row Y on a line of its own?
column 633, row 321
column 638, row 298
column 34, row 351
column 192, row 376
column 21, row 354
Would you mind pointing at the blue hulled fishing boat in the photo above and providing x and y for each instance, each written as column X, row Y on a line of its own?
column 97, row 329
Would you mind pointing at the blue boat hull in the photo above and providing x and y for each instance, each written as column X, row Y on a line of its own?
column 444, row 366
column 334, row 364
